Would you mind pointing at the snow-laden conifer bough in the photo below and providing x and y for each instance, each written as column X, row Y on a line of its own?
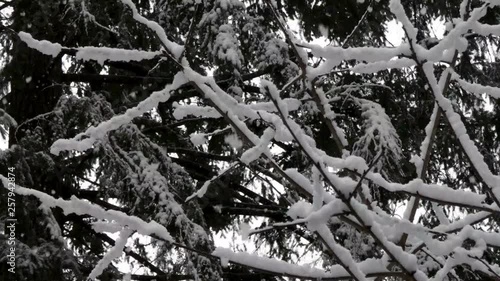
column 332, row 196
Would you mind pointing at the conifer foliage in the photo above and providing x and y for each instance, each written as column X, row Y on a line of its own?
column 140, row 131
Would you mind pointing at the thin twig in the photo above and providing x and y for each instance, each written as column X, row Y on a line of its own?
column 360, row 182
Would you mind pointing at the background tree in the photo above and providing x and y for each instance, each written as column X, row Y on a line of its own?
column 181, row 119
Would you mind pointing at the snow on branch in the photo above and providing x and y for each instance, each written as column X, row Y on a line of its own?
column 397, row 9
column 477, row 89
column 469, row 219
column 99, row 54
column 86, row 140
column 341, row 254
column 261, row 147
column 114, row 253
column 367, row 54
column 102, row 54
column 201, row 192
column 475, row 157
column 81, row 207
column 43, row 46
column 379, row 135
column 435, row 192
column 374, row 67
column 226, row 46
column 173, row 48
column 454, row 40
column 370, row 267
column 485, row 29
column 181, row 111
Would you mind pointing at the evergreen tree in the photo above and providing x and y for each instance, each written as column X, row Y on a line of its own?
column 179, row 120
